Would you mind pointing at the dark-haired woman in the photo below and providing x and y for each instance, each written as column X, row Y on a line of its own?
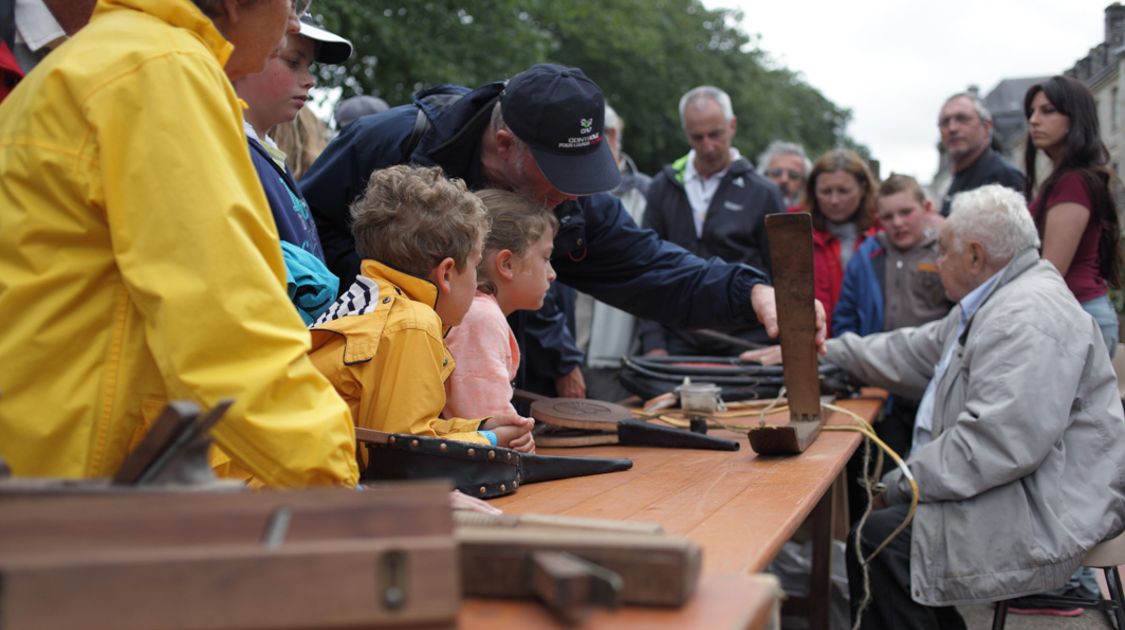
column 1077, row 220
column 1074, row 208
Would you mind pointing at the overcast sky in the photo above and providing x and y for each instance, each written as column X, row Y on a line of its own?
column 893, row 62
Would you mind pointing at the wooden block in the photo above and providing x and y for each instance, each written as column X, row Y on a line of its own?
column 384, row 557
column 143, row 519
column 789, row 439
column 563, row 523
column 656, row 570
column 339, row 583
column 570, row 586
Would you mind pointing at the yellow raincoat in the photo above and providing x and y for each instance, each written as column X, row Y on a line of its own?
column 382, row 347
column 139, row 261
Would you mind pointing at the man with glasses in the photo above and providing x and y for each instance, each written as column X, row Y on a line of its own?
column 966, row 134
column 713, row 204
column 785, row 164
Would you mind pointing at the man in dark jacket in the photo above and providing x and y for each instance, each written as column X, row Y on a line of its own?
column 539, row 134
column 966, row 134
column 712, row 203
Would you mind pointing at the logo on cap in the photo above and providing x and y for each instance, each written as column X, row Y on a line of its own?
column 589, row 137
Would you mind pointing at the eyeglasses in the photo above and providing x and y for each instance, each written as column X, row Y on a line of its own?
column 790, row 173
column 960, row 119
column 299, row 7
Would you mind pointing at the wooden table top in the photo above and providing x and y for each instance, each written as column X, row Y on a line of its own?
column 723, row 602
column 740, row 508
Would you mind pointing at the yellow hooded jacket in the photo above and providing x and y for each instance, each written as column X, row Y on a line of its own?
column 381, row 344
column 139, row 261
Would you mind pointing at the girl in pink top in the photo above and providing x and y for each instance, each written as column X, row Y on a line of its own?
column 514, row 274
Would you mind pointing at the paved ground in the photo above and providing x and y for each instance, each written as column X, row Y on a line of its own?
column 980, row 618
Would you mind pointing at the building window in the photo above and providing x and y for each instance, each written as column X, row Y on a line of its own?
column 1113, row 109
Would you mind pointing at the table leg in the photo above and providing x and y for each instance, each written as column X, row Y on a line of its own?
column 820, row 582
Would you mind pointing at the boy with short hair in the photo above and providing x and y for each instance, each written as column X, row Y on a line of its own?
column 382, row 342
column 275, row 96
column 892, row 282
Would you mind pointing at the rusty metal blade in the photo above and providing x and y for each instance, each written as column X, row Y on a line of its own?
column 791, row 254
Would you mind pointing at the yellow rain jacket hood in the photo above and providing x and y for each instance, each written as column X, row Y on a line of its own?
column 381, row 344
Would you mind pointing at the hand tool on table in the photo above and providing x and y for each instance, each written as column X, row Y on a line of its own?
column 791, row 255
column 171, row 454
column 174, row 450
column 573, row 565
column 587, row 422
column 475, row 469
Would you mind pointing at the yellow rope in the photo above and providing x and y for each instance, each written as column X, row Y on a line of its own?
column 862, row 426
column 865, row 428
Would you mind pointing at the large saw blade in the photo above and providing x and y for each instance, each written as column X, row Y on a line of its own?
column 791, row 253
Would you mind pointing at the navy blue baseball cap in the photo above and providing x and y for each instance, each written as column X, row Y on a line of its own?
column 560, row 114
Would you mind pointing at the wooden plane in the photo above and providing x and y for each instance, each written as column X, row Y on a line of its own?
column 790, row 237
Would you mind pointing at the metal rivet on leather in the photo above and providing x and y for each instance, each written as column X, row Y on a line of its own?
column 483, row 490
column 413, row 443
column 392, row 439
column 472, row 452
column 443, row 447
column 509, row 457
column 503, row 488
column 491, row 455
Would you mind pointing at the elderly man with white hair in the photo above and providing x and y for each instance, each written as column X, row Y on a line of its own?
column 1019, row 442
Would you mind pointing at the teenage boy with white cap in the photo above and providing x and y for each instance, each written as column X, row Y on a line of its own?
column 275, row 96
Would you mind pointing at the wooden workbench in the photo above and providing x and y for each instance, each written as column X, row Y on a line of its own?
column 740, row 508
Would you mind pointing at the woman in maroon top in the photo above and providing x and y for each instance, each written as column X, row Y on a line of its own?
column 840, row 195
column 1074, row 209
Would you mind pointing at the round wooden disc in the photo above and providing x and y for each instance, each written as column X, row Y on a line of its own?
column 579, row 413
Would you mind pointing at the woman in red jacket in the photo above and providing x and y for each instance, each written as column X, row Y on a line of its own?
column 840, row 195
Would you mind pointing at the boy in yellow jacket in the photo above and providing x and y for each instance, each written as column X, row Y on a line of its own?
column 382, row 342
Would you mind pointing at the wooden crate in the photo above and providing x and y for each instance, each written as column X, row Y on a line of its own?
column 384, row 557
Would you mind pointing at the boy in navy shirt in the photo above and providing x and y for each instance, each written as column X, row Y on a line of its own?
column 274, row 96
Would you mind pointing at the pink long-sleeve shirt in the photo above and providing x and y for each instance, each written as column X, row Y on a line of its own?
column 487, row 357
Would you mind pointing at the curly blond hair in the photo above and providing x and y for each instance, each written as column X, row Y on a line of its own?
column 412, row 218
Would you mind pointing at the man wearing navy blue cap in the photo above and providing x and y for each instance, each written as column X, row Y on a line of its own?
column 539, row 134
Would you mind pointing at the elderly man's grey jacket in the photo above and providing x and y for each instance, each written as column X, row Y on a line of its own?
column 1025, row 472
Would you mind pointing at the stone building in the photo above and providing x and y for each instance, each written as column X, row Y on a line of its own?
column 1101, row 71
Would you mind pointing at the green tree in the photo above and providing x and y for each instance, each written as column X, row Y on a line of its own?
column 644, row 55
